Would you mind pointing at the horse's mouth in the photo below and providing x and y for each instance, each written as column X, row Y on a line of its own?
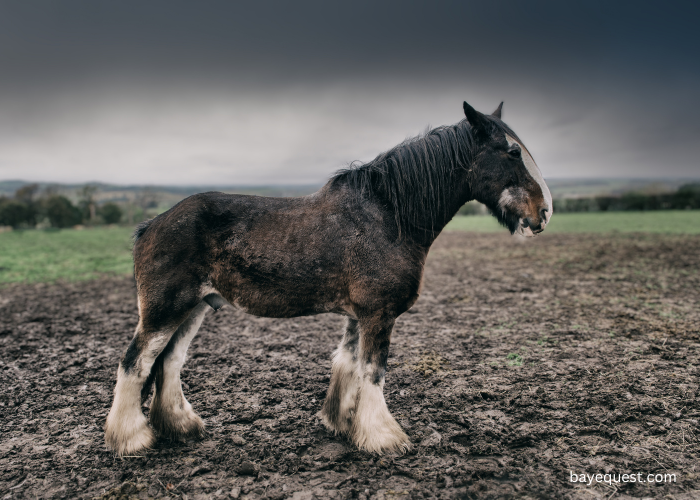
column 524, row 229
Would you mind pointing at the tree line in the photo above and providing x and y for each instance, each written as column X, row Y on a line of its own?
column 28, row 207
column 687, row 197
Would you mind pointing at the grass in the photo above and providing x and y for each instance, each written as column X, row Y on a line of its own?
column 514, row 359
column 662, row 221
column 46, row 256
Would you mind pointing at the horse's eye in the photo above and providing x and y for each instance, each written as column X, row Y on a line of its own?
column 515, row 152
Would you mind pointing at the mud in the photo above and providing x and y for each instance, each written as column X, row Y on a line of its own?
column 521, row 364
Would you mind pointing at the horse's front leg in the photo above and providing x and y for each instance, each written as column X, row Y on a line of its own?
column 339, row 407
column 373, row 427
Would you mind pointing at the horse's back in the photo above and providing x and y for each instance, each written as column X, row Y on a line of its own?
column 198, row 229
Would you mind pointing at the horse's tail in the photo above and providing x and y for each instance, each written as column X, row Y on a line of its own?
column 141, row 228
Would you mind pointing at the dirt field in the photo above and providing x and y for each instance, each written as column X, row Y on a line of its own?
column 521, row 364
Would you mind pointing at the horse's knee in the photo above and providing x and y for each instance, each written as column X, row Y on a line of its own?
column 133, row 363
column 142, row 352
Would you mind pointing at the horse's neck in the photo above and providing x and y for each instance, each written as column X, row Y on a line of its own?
column 426, row 229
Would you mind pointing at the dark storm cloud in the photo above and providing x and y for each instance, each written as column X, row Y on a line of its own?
column 598, row 88
column 292, row 39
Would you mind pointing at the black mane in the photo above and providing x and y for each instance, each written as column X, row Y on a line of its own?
column 414, row 177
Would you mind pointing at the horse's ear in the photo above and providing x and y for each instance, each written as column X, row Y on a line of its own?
column 497, row 113
column 475, row 119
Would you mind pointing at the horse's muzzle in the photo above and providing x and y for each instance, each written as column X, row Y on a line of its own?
column 535, row 224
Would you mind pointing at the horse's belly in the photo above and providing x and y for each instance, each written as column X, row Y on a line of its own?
column 270, row 309
column 285, row 303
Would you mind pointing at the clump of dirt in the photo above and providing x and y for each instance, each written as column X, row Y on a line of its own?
column 127, row 491
column 558, row 356
column 429, row 363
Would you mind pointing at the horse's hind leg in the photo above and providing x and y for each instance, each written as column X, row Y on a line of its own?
column 126, row 429
column 171, row 414
column 162, row 309
column 373, row 427
column 340, row 401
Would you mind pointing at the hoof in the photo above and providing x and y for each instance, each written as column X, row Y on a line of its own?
column 177, row 423
column 387, row 439
column 341, row 426
column 129, row 438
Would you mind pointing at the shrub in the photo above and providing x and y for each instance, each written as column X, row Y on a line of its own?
column 472, row 208
column 575, row 205
column 16, row 213
column 61, row 212
column 687, row 196
column 111, row 213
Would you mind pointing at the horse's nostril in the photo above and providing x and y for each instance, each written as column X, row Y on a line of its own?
column 543, row 214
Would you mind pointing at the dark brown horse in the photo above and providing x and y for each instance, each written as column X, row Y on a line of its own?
column 356, row 247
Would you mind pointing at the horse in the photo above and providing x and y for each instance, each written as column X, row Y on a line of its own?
column 357, row 247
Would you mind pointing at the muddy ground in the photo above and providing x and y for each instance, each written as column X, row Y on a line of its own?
column 522, row 363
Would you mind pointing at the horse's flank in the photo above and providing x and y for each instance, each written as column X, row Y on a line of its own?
column 281, row 257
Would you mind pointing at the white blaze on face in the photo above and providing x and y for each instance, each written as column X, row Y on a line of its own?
column 535, row 173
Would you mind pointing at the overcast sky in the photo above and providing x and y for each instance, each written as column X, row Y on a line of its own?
column 233, row 93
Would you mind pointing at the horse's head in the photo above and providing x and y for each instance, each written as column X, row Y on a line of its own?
column 507, row 179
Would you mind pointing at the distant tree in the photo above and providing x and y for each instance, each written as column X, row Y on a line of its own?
column 25, row 194
column 15, row 213
column 61, row 212
column 147, row 198
column 687, row 196
column 634, row 201
column 86, row 196
column 472, row 208
column 605, row 203
column 111, row 213
column 50, row 191
column 22, row 210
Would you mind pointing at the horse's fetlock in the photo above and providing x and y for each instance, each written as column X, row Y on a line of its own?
column 126, row 435
column 175, row 419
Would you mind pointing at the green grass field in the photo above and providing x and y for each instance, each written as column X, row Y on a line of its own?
column 663, row 221
column 46, row 256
